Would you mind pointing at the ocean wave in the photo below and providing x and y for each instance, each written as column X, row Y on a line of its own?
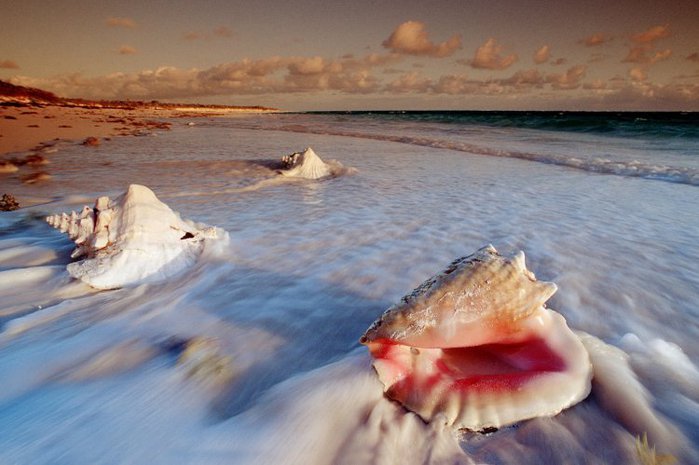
column 627, row 168
column 624, row 124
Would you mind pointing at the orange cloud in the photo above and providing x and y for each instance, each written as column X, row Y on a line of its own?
column 223, row 32
column 8, row 64
column 652, row 34
column 411, row 38
column 644, row 55
column 637, row 74
column 127, row 23
column 571, row 79
column 488, row 56
column 410, row 82
column 127, row 50
column 596, row 39
column 643, row 52
column 542, row 55
column 192, row 36
column 693, row 57
column 597, row 84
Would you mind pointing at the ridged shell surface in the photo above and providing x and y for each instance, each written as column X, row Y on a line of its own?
column 475, row 347
column 132, row 239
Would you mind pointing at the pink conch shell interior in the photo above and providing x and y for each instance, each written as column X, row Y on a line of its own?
column 475, row 346
column 132, row 239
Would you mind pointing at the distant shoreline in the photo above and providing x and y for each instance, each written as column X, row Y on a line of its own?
column 24, row 126
column 31, row 119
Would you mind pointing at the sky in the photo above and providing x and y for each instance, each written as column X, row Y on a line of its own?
column 361, row 54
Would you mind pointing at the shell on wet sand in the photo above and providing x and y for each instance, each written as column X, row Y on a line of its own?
column 476, row 347
column 305, row 164
column 132, row 239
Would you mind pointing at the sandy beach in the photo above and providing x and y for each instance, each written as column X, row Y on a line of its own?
column 24, row 128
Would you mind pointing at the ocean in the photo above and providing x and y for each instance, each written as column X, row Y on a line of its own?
column 606, row 205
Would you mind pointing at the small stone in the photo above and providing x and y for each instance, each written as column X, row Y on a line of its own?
column 91, row 141
column 8, row 203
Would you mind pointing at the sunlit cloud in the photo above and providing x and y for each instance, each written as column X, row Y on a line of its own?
column 643, row 55
column 525, row 79
column 192, row 36
column 8, row 64
column 127, row 23
column 488, row 56
column 371, row 74
column 127, row 50
column 637, row 74
column 571, row 79
column 693, row 57
column 542, row 55
column 220, row 32
column 596, row 84
column 411, row 38
column 643, row 49
column 595, row 40
column 652, row 34
column 410, row 82
column 559, row 61
column 223, row 31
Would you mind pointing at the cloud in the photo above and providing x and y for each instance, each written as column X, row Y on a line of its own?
column 220, row 32
column 595, row 40
column 223, row 31
column 642, row 54
column 127, row 50
column 488, row 56
column 643, row 49
column 597, row 84
column 8, row 64
column 411, row 38
column 571, row 79
column 637, row 74
column 127, row 23
column 652, row 34
column 192, row 36
column 559, row 61
column 410, row 82
column 273, row 75
column 542, row 55
column 693, row 57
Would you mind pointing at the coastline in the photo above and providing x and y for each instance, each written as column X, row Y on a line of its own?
column 31, row 128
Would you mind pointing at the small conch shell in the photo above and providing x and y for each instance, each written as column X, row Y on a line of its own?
column 132, row 239
column 305, row 164
column 476, row 346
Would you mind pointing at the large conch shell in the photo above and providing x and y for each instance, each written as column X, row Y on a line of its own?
column 305, row 164
column 476, row 347
column 132, row 239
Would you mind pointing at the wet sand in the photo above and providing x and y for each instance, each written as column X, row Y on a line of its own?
column 22, row 129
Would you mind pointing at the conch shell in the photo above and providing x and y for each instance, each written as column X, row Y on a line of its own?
column 132, row 239
column 475, row 346
column 305, row 164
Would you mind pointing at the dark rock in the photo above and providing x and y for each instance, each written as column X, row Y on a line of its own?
column 8, row 203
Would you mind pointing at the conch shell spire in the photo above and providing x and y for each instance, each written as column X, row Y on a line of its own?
column 132, row 239
column 484, row 290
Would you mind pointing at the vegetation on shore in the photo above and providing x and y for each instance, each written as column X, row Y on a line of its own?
column 14, row 95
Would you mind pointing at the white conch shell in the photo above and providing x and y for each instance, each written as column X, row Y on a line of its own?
column 476, row 346
column 132, row 239
column 305, row 164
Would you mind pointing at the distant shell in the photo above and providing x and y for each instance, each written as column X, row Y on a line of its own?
column 132, row 239
column 305, row 164
column 475, row 346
